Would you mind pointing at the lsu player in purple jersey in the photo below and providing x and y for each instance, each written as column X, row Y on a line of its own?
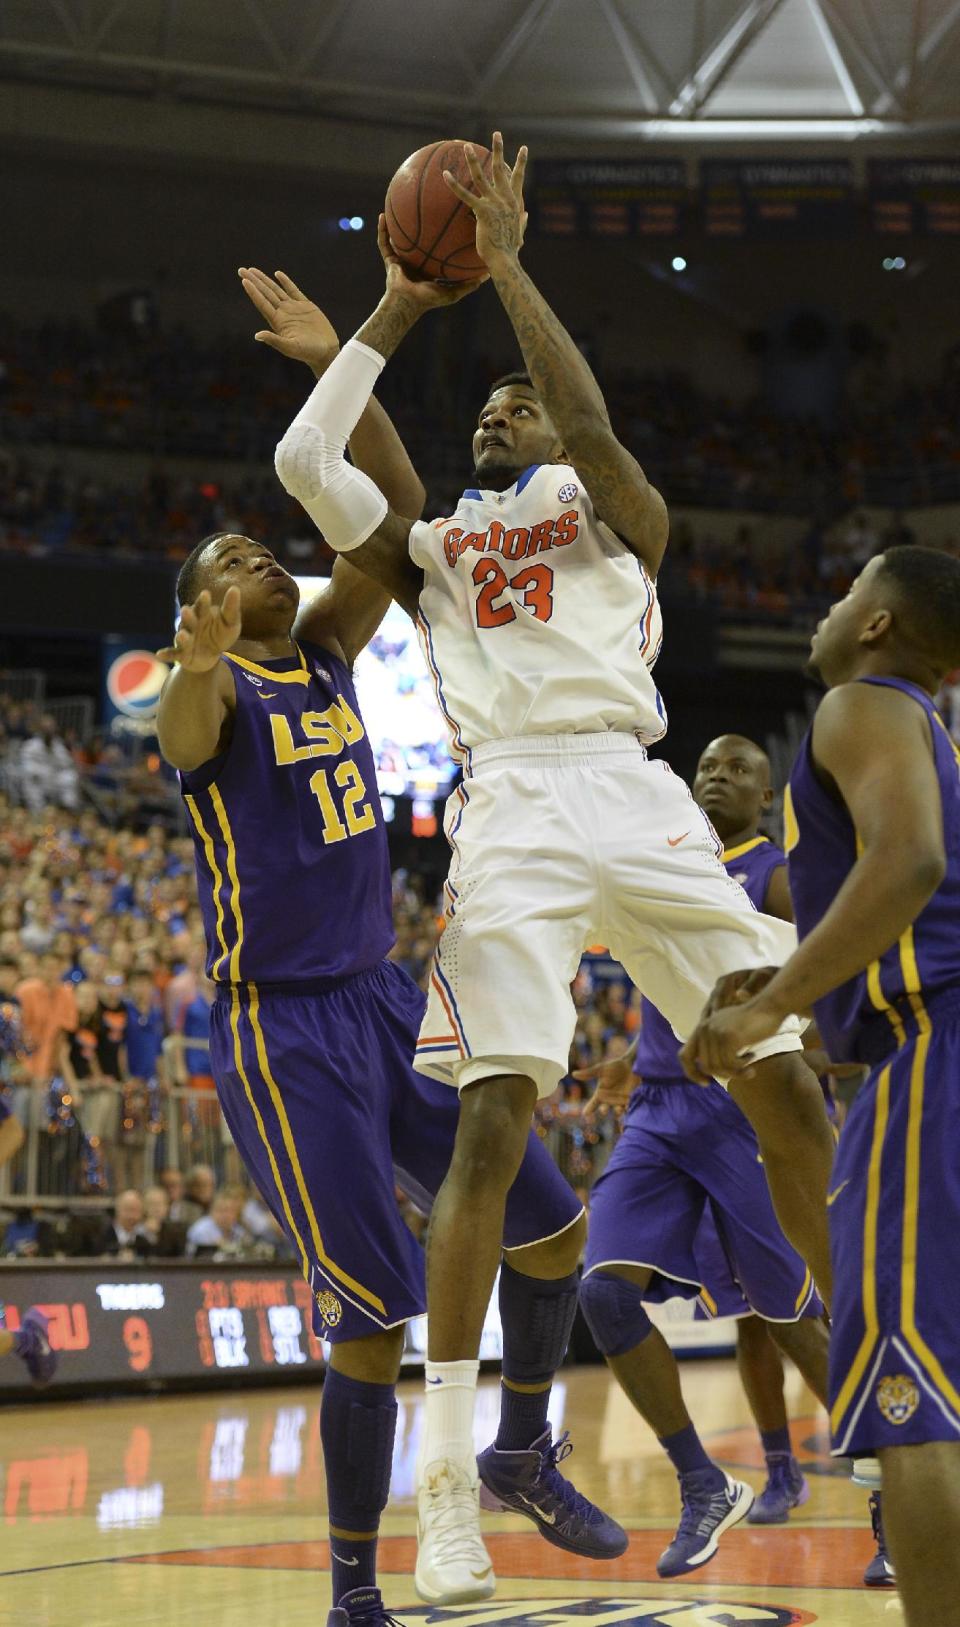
column 683, row 1208
column 872, row 832
column 536, row 605
column 313, row 1029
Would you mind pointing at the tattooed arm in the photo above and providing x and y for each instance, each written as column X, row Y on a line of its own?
column 571, row 396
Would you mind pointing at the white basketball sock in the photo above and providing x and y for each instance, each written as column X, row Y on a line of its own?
column 451, row 1388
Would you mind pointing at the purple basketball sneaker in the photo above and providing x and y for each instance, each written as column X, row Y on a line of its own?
column 362, row 1607
column 709, row 1509
column 530, row 1483
column 879, row 1572
column 32, row 1345
column 785, row 1489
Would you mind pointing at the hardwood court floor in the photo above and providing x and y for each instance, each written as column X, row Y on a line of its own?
column 209, row 1509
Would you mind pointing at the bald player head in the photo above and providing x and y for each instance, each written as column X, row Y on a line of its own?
column 732, row 786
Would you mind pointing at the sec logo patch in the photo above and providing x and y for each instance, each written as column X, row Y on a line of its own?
column 566, row 494
column 898, row 1398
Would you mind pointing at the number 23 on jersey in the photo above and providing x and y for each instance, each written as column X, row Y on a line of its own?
column 534, row 584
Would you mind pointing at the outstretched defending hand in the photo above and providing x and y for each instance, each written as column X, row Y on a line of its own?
column 497, row 202
column 428, row 295
column 298, row 328
column 615, row 1085
column 205, row 633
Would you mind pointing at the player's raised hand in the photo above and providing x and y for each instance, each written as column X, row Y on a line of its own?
column 296, row 326
column 497, row 201
column 615, row 1085
column 205, row 633
column 429, row 294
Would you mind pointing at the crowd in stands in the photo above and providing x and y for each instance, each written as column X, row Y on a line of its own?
column 68, row 387
column 104, row 1033
column 43, row 766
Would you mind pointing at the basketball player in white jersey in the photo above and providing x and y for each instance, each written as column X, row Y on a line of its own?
column 537, row 611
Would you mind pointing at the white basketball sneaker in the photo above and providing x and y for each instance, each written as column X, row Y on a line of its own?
column 453, row 1566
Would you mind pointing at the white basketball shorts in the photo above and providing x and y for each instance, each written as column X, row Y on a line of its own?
column 559, row 842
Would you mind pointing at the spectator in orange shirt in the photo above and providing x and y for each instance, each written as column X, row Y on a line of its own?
column 49, row 1010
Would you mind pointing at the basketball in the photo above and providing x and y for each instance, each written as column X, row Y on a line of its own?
column 432, row 232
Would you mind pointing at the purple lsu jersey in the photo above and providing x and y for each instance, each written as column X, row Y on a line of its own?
column 292, row 864
column 864, row 1019
column 751, row 864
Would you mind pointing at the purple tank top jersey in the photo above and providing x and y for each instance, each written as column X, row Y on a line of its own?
column 752, row 864
column 863, row 1019
column 292, row 863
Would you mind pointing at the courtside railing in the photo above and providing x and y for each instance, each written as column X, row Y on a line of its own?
column 81, row 1150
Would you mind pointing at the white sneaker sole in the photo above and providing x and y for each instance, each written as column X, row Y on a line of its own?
column 482, row 1588
column 739, row 1511
column 866, row 1472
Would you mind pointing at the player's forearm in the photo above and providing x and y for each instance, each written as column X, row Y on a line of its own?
column 880, row 899
column 564, row 382
column 389, row 324
column 190, row 718
column 378, row 451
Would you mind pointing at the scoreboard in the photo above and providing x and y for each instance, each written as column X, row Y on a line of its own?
column 759, row 198
column 199, row 1324
column 604, row 198
column 148, row 1324
column 777, row 197
column 914, row 196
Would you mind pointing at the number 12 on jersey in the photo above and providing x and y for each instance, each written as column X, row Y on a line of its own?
column 359, row 815
column 534, row 583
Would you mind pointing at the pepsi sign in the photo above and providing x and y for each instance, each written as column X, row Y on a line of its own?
column 132, row 680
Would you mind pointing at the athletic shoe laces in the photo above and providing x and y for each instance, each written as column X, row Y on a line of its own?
column 372, row 1615
column 702, row 1509
column 560, row 1489
column 451, row 1512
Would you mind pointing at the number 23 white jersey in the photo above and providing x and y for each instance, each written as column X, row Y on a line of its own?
column 535, row 618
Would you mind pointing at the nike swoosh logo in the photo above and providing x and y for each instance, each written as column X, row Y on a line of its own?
column 434, row 1380
column 343, row 1561
column 266, row 694
column 541, row 1513
column 833, row 1196
column 480, row 1575
column 674, row 841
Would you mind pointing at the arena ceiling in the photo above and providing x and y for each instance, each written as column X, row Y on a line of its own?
column 594, row 70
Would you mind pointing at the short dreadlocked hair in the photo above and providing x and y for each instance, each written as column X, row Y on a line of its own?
column 512, row 378
column 927, row 588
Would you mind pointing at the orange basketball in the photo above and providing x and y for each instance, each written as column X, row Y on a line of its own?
column 432, row 232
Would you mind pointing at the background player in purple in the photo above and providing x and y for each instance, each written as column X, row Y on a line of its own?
column 313, row 1030
column 872, row 831
column 687, row 1158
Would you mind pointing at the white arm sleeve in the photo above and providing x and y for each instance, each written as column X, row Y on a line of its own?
column 343, row 503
